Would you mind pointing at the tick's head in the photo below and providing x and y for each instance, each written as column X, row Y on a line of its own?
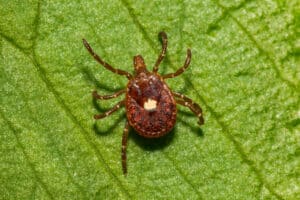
column 139, row 64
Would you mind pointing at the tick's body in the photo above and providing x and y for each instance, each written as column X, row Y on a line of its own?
column 150, row 104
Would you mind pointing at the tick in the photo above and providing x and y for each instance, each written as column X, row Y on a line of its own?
column 150, row 104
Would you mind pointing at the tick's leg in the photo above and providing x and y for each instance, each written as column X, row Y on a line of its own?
column 111, row 96
column 124, row 145
column 181, row 69
column 104, row 64
column 109, row 112
column 182, row 97
column 194, row 107
column 163, row 51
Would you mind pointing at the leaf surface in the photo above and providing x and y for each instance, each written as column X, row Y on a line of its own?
column 244, row 73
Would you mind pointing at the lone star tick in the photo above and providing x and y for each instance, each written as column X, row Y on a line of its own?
column 149, row 102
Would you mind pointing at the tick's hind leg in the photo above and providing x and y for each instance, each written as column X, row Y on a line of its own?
column 163, row 51
column 181, row 69
column 109, row 112
column 194, row 107
column 110, row 96
column 124, row 146
column 104, row 64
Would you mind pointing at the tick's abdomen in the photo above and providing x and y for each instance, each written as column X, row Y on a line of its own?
column 151, row 108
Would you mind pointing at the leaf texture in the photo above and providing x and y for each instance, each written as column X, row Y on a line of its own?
column 244, row 73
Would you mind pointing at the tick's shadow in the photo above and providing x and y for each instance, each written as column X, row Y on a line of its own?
column 152, row 144
column 89, row 77
column 194, row 127
column 110, row 129
column 149, row 144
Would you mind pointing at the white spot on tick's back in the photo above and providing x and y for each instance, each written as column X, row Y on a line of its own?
column 136, row 86
column 150, row 105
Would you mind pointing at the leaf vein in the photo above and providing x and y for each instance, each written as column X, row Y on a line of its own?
column 60, row 101
column 31, row 165
column 260, row 49
column 68, row 112
column 51, row 141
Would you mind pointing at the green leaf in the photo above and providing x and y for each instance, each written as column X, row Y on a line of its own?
column 244, row 73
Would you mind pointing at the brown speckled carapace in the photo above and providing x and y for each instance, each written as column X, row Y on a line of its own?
column 150, row 105
column 149, row 102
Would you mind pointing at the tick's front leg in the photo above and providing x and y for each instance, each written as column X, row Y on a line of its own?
column 104, row 64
